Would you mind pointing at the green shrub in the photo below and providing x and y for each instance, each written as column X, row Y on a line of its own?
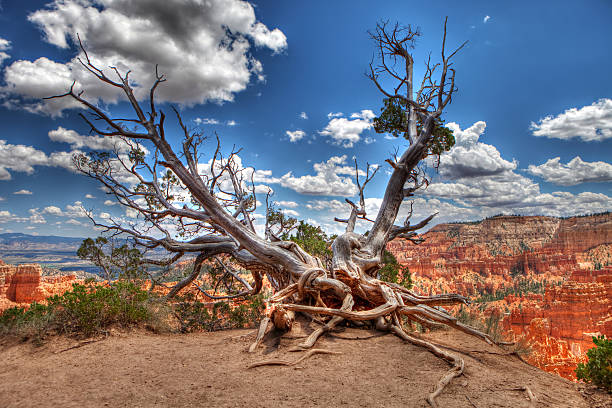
column 492, row 326
column 115, row 258
column 247, row 314
column 25, row 323
column 487, row 323
column 85, row 310
column 393, row 272
column 598, row 370
column 90, row 310
column 194, row 315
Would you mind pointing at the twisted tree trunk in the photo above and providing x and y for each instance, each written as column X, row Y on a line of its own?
column 223, row 224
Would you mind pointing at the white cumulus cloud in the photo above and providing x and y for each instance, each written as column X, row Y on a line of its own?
column 74, row 210
column 24, row 159
column 346, row 132
column 589, row 123
column 206, row 121
column 201, row 46
column 35, row 217
column 286, row 204
column 479, row 179
column 329, row 179
column 295, row 135
column 76, row 141
column 19, row 158
column 5, row 45
column 469, row 157
column 72, row 221
column 53, row 210
column 576, row 171
column 291, row 213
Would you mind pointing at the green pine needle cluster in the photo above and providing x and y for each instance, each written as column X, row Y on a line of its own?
column 598, row 370
column 393, row 120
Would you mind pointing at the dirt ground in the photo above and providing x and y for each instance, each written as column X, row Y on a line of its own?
column 141, row 369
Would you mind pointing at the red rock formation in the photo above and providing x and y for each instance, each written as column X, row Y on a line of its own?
column 23, row 284
column 485, row 256
column 505, row 254
column 6, row 272
column 559, row 325
column 547, row 352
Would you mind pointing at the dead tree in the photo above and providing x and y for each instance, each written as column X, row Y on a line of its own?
column 210, row 206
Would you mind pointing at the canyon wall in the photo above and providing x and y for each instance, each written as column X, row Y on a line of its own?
column 548, row 277
column 482, row 257
column 21, row 285
column 558, row 326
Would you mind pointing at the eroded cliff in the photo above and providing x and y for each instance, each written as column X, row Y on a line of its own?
column 558, row 326
column 548, row 277
column 21, row 285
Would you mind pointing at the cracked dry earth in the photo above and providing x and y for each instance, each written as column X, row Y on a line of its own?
column 140, row 369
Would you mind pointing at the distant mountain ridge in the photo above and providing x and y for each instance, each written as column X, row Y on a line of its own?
column 14, row 241
column 50, row 251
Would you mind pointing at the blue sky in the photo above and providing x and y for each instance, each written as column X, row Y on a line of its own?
column 532, row 117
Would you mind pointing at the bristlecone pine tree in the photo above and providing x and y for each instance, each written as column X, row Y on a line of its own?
column 187, row 206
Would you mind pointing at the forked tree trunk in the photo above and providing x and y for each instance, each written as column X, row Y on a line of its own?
column 349, row 290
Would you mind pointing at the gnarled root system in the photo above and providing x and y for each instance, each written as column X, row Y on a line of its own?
column 365, row 299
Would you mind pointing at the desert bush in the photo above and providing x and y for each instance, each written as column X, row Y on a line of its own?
column 89, row 310
column 488, row 323
column 598, row 370
column 85, row 310
column 193, row 315
column 493, row 327
column 393, row 272
column 117, row 259
column 468, row 317
column 26, row 323
column 92, row 309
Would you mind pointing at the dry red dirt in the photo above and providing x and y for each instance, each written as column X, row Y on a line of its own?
column 210, row 369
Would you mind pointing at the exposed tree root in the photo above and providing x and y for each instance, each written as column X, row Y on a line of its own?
column 533, row 400
column 442, row 317
column 373, row 336
column 467, row 352
column 241, row 336
column 388, row 304
column 308, row 354
column 78, row 345
column 263, row 326
column 471, row 402
column 517, row 355
column 457, row 362
column 347, row 304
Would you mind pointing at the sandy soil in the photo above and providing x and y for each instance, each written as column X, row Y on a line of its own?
column 141, row 369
